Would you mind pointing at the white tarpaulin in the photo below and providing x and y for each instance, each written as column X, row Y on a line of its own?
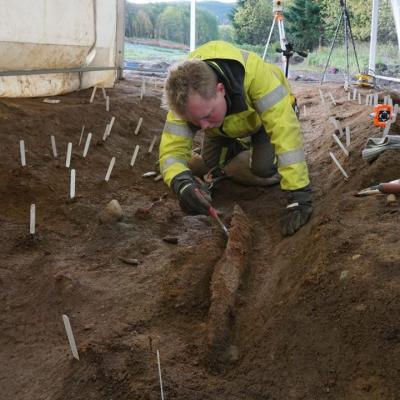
column 54, row 34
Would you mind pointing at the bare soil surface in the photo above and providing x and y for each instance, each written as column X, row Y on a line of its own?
column 315, row 316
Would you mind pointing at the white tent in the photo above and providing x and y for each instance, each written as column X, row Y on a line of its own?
column 49, row 47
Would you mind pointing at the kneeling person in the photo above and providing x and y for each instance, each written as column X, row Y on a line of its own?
column 234, row 97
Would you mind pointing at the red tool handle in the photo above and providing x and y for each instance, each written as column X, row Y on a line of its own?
column 389, row 188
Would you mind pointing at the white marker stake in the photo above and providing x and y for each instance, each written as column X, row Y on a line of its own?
column 108, row 103
column 359, row 98
column 153, row 142
column 53, row 145
column 387, row 128
column 332, row 98
column 135, row 153
column 159, row 374
column 93, row 94
column 139, row 124
column 80, row 139
column 348, row 137
column 337, row 125
column 338, row 165
column 143, row 89
column 105, row 134
column 72, row 184
column 348, row 96
column 104, row 93
column 354, row 94
column 337, row 140
column 68, row 159
column 322, row 96
column 305, row 110
column 395, row 111
column 22, row 152
column 367, row 99
column 32, row 223
column 375, row 99
column 88, row 139
column 111, row 125
column 110, row 168
column 70, row 335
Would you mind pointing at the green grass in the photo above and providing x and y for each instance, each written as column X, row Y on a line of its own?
column 142, row 52
column 386, row 54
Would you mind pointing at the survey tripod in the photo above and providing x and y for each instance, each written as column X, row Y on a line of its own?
column 286, row 48
column 287, row 53
column 278, row 19
column 344, row 17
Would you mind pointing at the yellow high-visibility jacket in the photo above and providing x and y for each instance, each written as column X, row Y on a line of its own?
column 266, row 99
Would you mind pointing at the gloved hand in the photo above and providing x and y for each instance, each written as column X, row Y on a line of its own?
column 298, row 210
column 185, row 188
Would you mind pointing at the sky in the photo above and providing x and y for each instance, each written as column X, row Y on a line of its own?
column 172, row 1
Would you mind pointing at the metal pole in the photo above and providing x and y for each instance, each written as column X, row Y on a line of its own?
column 396, row 16
column 346, row 43
column 192, row 25
column 120, row 38
column 374, row 36
column 269, row 38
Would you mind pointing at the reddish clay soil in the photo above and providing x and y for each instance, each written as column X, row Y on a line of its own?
column 315, row 316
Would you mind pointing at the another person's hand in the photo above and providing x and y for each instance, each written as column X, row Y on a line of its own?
column 189, row 192
column 298, row 211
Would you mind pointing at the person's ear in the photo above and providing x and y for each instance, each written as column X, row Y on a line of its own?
column 221, row 88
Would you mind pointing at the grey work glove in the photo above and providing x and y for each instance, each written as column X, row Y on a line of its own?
column 298, row 210
column 189, row 192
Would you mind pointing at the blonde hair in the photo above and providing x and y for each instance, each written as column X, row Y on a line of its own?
column 189, row 76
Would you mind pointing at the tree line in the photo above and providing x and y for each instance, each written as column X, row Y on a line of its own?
column 308, row 23
column 169, row 22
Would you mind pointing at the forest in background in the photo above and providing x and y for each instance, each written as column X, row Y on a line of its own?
column 309, row 24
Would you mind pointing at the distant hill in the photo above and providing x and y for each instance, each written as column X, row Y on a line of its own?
column 220, row 10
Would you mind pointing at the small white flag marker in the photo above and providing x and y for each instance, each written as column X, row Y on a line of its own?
column 159, row 375
column 337, row 140
column 88, row 139
column 70, row 336
column 143, row 89
column 348, row 137
column 341, row 169
column 105, row 134
column 337, row 125
column 93, row 94
column 135, row 153
column 53, row 145
column 69, row 152
column 22, row 152
column 110, row 168
column 139, row 124
column 32, row 219
column 72, row 184
column 322, row 96
column 332, row 98
column 153, row 142
column 111, row 126
column 80, row 138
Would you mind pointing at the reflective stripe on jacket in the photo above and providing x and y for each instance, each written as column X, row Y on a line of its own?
column 269, row 101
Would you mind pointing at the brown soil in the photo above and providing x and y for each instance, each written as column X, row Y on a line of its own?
column 316, row 315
